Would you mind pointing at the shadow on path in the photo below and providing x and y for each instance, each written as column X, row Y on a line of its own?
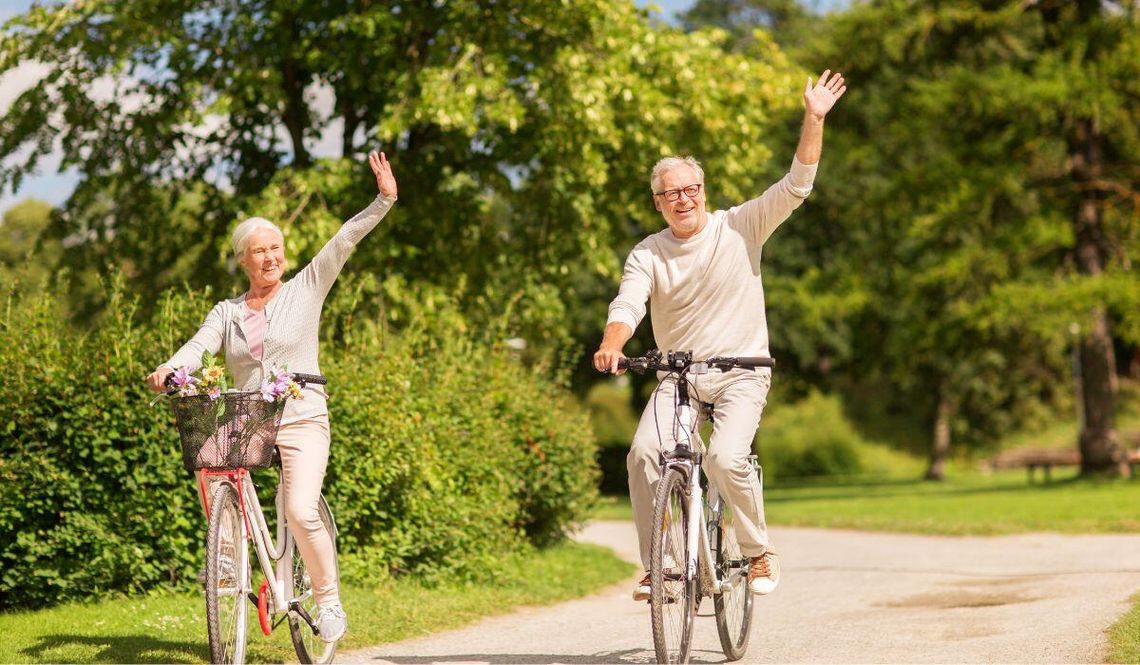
column 629, row 656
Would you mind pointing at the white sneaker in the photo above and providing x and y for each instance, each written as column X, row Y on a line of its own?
column 764, row 573
column 333, row 623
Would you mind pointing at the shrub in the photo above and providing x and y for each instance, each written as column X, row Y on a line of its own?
column 447, row 453
column 809, row 438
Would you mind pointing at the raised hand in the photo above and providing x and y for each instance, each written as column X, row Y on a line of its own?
column 385, row 181
column 819, row 99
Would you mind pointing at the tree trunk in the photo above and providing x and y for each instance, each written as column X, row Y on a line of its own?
column 1099, row 442
column 940, row 441
column 294, row 78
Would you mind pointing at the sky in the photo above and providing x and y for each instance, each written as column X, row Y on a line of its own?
column 54, row 187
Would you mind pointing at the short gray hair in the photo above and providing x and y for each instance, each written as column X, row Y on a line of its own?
column 240, row 237
column 666, row 164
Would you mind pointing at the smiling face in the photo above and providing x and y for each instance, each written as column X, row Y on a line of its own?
column 686, row 215
column 264, row 258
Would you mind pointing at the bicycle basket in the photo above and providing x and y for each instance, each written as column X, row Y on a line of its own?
column 236, row 430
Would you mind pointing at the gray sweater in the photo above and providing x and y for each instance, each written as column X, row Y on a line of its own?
column 292, row 321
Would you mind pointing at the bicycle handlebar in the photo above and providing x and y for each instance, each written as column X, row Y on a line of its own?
column 682, row 361
column 301, row 379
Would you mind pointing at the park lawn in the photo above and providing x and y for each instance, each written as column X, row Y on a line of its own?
column 169, row 626
column 967, row 503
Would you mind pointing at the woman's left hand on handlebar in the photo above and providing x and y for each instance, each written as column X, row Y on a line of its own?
column 156, row 380
column 385, row 181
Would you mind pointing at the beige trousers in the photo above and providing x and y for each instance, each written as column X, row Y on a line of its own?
column 304, row 448
column 738, row 397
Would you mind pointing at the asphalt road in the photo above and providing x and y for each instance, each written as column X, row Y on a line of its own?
column 845, row 597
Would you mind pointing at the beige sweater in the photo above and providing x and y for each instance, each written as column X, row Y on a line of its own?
column 705, row 291
column 292, row 321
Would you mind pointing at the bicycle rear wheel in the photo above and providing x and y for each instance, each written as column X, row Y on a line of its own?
column 671, row 600
column 310, row 648
column 227, row 577
column 733, row 606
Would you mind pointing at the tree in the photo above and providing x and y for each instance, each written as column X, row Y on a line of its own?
column 993, row 121
column 521, row 133
column 788, row 21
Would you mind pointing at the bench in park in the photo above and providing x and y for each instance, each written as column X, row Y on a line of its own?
column 1032, row 459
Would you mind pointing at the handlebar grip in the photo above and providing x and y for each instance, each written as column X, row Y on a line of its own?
column 315, row 379
column 755, row 361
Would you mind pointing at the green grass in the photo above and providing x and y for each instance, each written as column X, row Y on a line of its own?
column 966, row 503
column 170, row 627
column 1124, row 636
column 613, row 507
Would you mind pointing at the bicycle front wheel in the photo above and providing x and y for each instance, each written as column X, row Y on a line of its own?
column 733, row 605
column 671, row 600
column 309, row 647
column 227, row 577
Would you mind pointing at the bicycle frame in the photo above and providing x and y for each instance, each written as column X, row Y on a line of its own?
column 271, row 556
column 687, row 457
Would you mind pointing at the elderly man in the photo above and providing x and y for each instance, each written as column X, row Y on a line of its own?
column 702, row 277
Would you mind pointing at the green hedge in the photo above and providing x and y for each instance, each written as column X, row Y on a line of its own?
column 809, row 438
column 446, row 454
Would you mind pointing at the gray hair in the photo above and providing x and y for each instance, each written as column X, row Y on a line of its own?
column 240, row 237
column 666, row 164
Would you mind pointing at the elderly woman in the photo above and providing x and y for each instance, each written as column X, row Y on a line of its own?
column 275, row 323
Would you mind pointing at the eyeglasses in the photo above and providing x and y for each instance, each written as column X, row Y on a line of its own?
column 672, row 195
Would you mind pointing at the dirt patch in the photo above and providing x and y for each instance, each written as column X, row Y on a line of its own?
column 999, row 581
column 962, row 598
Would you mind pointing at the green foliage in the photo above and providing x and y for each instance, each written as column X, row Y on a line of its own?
column 92, row 496
column 23, row 255
column 809, row 438
column 614, row 422
column 446, row 453
column 522, row 136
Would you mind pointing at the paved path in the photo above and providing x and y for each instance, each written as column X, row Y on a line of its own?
column 846, row 596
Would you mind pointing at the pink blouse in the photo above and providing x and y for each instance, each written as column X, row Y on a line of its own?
column 253, row 325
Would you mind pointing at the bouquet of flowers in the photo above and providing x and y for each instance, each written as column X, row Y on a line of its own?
column 210, row 380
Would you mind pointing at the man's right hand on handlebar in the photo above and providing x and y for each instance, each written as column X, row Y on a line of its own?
column 609, row 351
column 606, row 360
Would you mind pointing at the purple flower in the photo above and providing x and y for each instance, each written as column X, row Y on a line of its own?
column 182, row 378
column 214, row 393
column 188, row 390
column 267, row 391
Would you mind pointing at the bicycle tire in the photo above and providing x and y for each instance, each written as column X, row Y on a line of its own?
column 310, row 648
column 733, row 608
column 227, row 577
column 672, row 590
